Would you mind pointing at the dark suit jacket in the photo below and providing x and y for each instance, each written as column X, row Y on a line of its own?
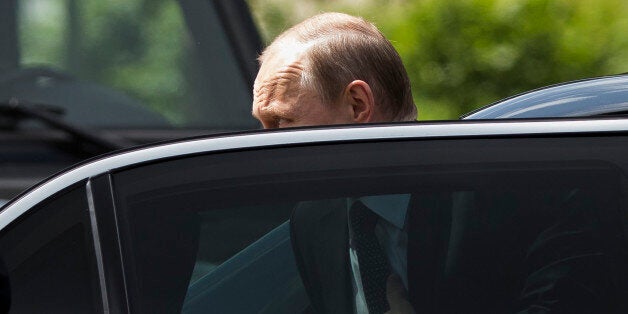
column 455, row 264
column 320, row 241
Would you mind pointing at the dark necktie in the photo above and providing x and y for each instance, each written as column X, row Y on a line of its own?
column 374, row 268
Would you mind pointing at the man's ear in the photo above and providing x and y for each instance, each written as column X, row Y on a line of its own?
column 359, row 97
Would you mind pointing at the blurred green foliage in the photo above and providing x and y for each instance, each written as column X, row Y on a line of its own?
column 145, row 43
column 464, row 54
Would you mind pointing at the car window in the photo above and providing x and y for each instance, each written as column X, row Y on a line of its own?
column 49, row 256
column 130, row 65
column 475, row 221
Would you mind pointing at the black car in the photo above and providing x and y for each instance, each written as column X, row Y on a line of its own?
column 503, row 216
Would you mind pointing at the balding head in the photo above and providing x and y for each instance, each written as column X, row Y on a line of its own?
column 331, row 60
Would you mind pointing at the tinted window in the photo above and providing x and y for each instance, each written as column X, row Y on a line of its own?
column 131, row 64
column 492, row 225
column 50, row 258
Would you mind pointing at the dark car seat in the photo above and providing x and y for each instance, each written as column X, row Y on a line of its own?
column 505, row 251
column 166, row 257
column 319, row 235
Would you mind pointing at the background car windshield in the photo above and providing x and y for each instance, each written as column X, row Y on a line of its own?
column 124, row 64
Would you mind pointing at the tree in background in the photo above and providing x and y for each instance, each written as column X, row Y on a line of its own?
column 464, row 54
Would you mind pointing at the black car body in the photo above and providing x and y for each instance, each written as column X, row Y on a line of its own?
column 203, row 225
column 602, row 96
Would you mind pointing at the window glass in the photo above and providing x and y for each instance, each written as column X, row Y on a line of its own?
column 127, row 64
column 470, row 226
column 50, row 259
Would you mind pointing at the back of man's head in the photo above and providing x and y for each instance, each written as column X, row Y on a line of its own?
column 338, row 49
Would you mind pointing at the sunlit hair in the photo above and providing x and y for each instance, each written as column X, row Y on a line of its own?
column 341, row 48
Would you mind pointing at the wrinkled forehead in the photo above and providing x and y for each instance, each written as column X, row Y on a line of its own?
column 280, row 73
column 280, row 55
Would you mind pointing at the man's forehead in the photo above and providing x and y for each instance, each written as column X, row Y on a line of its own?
column 282, row 68
column 282, row 83
column 282, row 54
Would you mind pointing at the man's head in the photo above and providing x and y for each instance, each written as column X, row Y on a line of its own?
column 332, row 68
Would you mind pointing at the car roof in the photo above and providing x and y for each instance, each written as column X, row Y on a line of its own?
column 591, row 97
column 267, row 139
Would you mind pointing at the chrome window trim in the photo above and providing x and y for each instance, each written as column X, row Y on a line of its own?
column 304, row 136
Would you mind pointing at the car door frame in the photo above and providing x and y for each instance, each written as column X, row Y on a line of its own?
column 101, row 196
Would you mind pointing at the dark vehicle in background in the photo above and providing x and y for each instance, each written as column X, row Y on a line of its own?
column 81, row 78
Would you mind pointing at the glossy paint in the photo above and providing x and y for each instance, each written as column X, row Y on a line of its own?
column 592, row 97
column 254, row 140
